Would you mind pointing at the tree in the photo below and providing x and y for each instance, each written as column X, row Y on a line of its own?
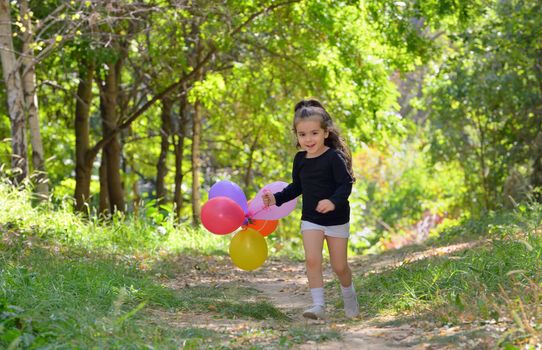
column 31, row 100
column 19, row 63
column 14, row 86
column 83, row 159
column 486, row 101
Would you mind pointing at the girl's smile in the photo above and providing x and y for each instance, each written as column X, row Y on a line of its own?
column 311, row 137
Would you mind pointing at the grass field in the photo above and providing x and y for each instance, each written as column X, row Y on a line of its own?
column 67, row 282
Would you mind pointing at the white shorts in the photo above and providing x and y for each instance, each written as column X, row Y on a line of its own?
column 339, row 231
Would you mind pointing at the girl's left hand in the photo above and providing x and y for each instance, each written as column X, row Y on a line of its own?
column 324, row 206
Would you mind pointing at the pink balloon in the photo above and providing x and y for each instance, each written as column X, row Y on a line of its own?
column 222, row 215
column 257, row 210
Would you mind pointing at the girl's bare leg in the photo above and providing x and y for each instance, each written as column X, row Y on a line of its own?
column 338, row 251
column 338, row 256
column 313, row 243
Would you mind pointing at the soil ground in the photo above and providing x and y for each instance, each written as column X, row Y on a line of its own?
column 283, row 283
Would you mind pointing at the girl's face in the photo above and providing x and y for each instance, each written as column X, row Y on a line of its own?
column 311, row 137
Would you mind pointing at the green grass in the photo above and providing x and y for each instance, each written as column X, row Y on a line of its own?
column 75, row 299
column 67, row 282
column 119, row 235
column 499, row 279
column 141, row 235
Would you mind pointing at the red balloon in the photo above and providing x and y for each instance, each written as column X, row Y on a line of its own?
column 222, row 215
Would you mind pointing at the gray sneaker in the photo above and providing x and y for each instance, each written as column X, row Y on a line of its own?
column 351, row 307
column 315, row 312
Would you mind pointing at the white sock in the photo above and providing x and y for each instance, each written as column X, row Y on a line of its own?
column 318, row 296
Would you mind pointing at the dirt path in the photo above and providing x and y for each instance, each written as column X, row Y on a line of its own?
column 285, row 287
column 283, row 283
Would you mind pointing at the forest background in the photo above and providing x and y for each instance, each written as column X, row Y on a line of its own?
column 133, row 106
column 132, row 110
column 129, row 105
column 119, row 116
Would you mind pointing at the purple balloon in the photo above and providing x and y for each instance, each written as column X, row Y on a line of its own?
column 228, row 189
column 258, row 211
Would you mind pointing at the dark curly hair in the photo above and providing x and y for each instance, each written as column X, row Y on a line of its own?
column 313, row 108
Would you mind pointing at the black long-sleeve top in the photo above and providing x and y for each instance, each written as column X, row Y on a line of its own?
column 322, row 177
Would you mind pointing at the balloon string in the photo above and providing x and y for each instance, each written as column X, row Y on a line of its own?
column 249, row 218
column 251, row 214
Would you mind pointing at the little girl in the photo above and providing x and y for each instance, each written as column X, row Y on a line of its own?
column 322, row 173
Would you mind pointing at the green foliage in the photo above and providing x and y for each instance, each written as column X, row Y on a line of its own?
column 123, row 234
column 332, row 51
column 483, row 98
column 478, row 90
column 395, row 186
column 409, row 26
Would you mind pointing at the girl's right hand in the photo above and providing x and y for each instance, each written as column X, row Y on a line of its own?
column 268, row 199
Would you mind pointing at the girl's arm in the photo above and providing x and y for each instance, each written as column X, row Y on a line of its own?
column 293, row 189
column 343, row 178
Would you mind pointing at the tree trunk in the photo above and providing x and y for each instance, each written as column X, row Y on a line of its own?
column 161, row 167
column 104, row 186
column 179, row 152
column 536, row 175
column 83, row 161
column 31, row 104
column 196, row 163
column 108, row 104
column 15, row 95
column 248, row 173
column 481, row 128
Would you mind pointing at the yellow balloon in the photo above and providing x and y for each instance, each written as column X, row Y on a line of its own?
column 248, row 249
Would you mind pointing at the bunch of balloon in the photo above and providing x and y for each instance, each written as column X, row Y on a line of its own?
column 227, row 209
